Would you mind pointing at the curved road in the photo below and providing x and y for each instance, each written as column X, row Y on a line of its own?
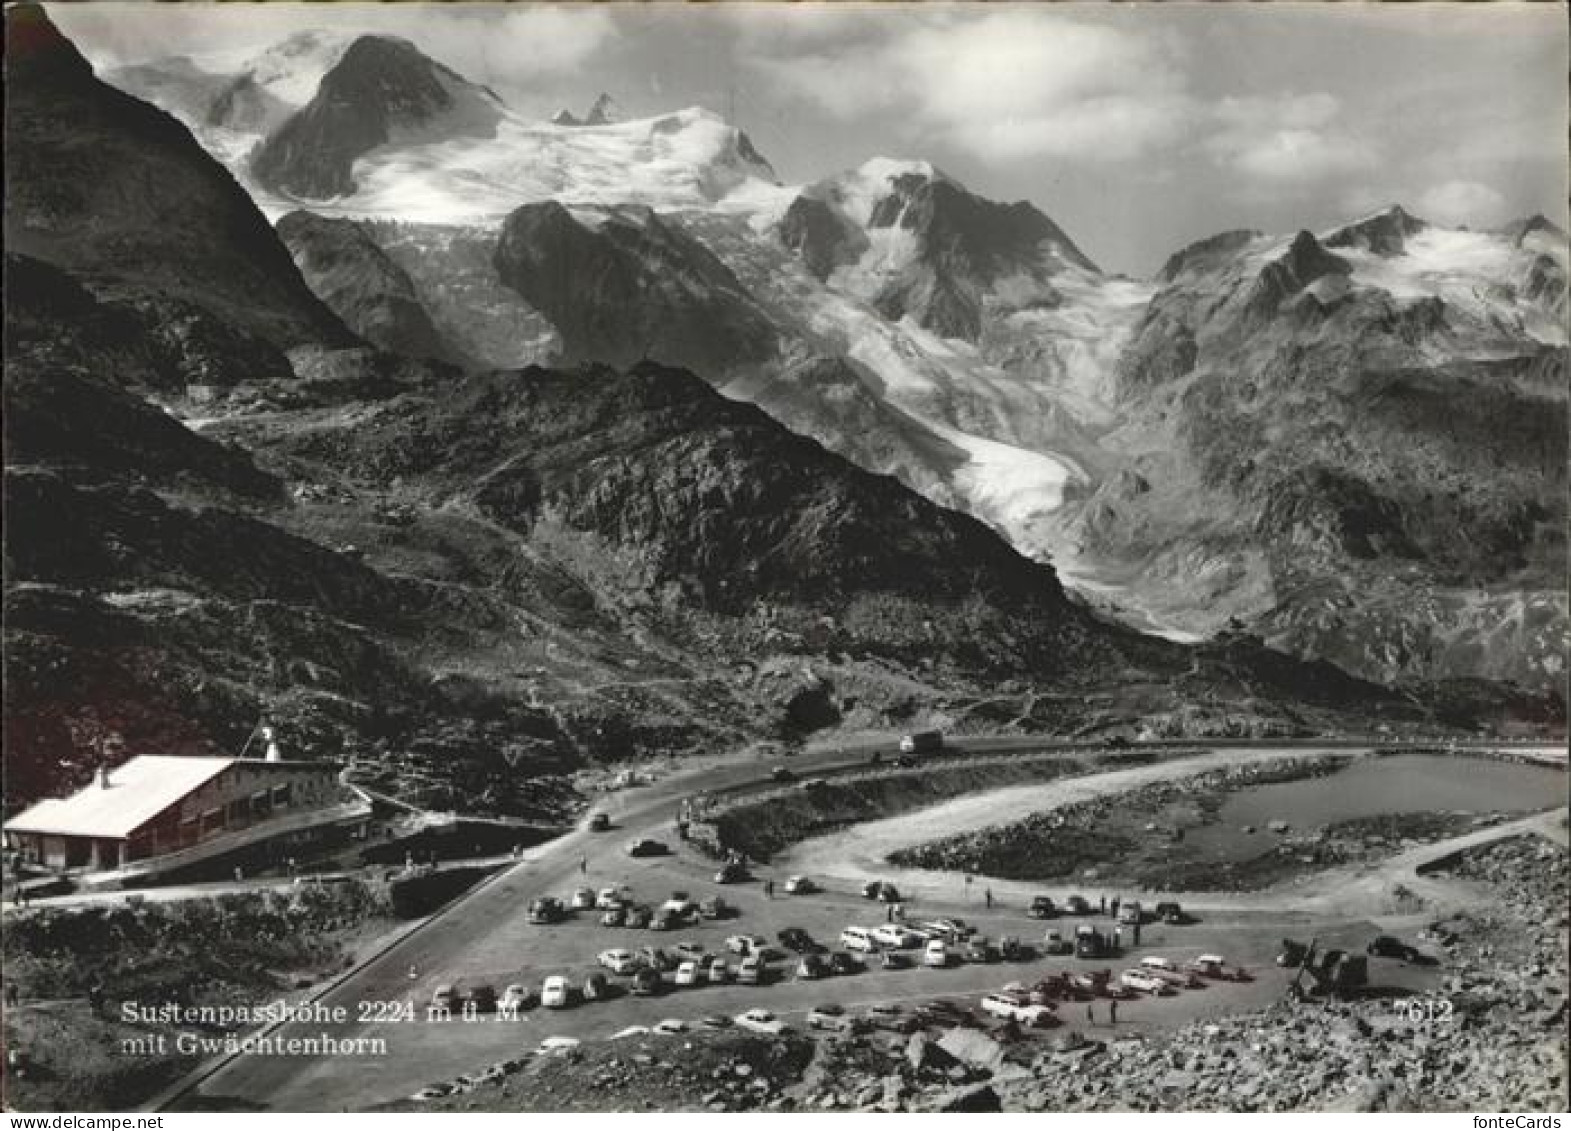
column 484, row 937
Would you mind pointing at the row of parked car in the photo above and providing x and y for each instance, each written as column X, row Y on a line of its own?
column 1155, row 975
column 1130, row 912
column 619, row 908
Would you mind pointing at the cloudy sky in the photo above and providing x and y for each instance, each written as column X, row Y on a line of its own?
column 1138, row 127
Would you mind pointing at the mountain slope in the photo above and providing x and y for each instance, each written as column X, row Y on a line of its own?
column 622, row 285
column 1358, row 439
column 362, row 284
column 1303, row 433
column 126, row 197
column 381, row 90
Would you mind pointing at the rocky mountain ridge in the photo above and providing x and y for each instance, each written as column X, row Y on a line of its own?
column 469, row 586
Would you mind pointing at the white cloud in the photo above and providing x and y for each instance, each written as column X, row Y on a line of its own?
column 488, row 43
column 1294, row 138
column 1463, row 203
column 1007, row 85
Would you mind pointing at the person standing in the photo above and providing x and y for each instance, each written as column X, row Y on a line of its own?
column 583, row 865
column 889, row 913
column 1112, row 1012
column 1137, row 934
column 1104, row 905
column 1090, row 1013
column 1115, row 907
column 987, row 897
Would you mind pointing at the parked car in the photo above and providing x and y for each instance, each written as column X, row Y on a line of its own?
column 781, row 774
column 1042, row 907
column 761, row 1021
column 687, row 974
column 1215, row 966
column 1090, row 942
column 613, row 917
column 795, row 939
column 599, row 822
column 646, row 983
column 896, row 937
column 1054, row 942
column 830, row 1015
column 680, row 906
column 637, row 915
column 596, row 987
column 516, row 997
column 858, row 938
column 670, row 1027
column 618, row 961
column 979, row 949
column 663, row 920
column 446, row 996
column 1388, row 946
column 716, row 1021
column 1145, row 982
column 691, row 950
column 556, row 992
column 714, row 970
column 945, row 1012
column 800, row 885
column 881, row 890
column 752, row 970
column 1158, row 962
column 583, row 899
column 922, row 742
column 1077, row 905
column 644, row 846
column 483, row 998
column 812, row 966
column 609, row 897
column 714, row 908
column 731, row 873
column 950, row 930
column 1171, row 913
column 546, row 909
column 656, row 959
column 890, row 1019
column 1130, row 914
column 893, row 960
column 1019, row 1009
column 843, row 962
column 935, row 955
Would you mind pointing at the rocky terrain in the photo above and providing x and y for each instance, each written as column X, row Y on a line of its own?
column 1350, row 442
column 471, row 584
column 239, row 950
column 364, row 285
column 1334, row 521
column 702, row 1070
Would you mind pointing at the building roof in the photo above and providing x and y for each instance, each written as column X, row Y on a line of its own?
column 137, row 792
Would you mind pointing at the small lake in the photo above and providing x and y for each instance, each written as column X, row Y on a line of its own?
column 1370, row 787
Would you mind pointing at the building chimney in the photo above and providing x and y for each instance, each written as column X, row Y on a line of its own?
column 273, row 754
column 103, row 777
